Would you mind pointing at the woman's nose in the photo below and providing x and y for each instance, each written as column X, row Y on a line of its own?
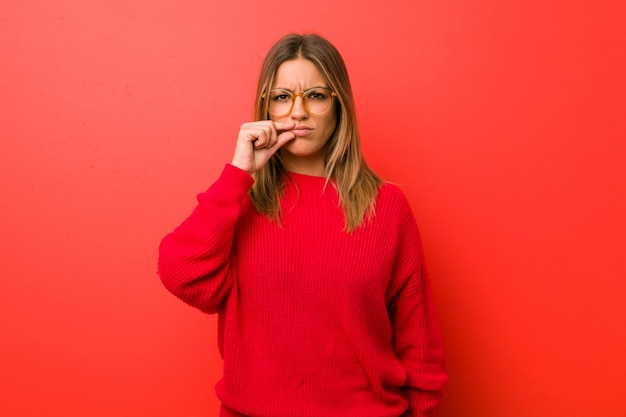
column 298, row 111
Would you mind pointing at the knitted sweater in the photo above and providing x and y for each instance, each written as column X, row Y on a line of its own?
column 312, row 321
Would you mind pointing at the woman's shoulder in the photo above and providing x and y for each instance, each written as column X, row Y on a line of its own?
column 392, row 203
column 392, row 193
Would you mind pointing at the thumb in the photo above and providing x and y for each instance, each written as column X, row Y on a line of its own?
column 284, row 138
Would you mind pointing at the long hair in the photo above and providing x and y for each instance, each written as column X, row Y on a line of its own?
column 345, row 168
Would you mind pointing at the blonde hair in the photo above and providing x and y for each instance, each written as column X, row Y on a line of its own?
column 345, row 168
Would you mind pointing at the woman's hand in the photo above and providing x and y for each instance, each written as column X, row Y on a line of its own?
column 258, row 141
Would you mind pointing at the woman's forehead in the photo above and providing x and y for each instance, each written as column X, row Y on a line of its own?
column 298, row 73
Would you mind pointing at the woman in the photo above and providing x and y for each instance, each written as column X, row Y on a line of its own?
column 313, row 264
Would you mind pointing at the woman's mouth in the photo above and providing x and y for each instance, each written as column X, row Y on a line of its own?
column 301, row 130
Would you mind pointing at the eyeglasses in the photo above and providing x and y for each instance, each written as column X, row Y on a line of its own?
column 317, row 100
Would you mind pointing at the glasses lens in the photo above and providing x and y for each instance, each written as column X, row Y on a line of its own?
column 280, row 102
column 316, row 101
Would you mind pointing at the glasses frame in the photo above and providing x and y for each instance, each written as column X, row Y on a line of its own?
column 302, row 94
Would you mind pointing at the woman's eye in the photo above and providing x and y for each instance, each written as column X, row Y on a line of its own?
column 281, row 97
column 317, row 95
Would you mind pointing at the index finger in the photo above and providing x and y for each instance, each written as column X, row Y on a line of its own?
column 283, row 126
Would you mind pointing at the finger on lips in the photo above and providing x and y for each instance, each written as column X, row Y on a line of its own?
column 266, row 133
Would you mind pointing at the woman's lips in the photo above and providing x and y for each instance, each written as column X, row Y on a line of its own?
column 301, row 130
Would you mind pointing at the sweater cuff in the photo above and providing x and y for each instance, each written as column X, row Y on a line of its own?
column 230, row 187
column 237, row 176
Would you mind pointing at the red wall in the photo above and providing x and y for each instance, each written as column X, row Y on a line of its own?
column 504, row 122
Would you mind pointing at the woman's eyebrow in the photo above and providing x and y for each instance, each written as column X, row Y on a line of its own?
column 306, row 89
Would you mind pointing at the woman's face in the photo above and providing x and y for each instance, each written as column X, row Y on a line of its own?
column 305, row 153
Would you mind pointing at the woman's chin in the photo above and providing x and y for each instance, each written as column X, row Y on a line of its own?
column 299, row 148
column 301, row 154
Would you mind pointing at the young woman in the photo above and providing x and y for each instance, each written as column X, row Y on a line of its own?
column 313, row 264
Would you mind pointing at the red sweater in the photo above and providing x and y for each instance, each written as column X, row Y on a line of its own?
column 313, row 321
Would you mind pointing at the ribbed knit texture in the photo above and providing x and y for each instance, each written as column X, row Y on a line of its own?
column 313, row 321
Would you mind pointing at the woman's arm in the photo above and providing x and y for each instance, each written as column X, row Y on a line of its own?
column 416, row 334
column 194, row 260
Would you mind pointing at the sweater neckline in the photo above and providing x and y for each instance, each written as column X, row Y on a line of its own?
column 306, row 181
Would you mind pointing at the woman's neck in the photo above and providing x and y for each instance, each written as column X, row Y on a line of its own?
column 303, row 165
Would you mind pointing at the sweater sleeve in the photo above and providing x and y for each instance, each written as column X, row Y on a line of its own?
column 416, row 334
column 194, row 259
